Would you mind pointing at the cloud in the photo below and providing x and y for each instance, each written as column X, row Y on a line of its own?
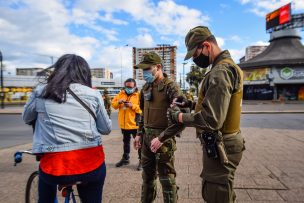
column 166, row 16
column 236, row 38
column 89, row 20
column 262, row 7
column 109, row 18
column 224, row 6
column 236, row 54
column 220, row 41
column 117, row 59
column 143, row 30
column 244, row 1
column 176, row 43
column 142, row 40
column 260, row 43
column 31, row 32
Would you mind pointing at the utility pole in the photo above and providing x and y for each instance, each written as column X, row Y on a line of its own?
column 1, row 77
column 180, row 80
column 184, row 63
column 120, row 51
column 120, row 67
column 49, row 56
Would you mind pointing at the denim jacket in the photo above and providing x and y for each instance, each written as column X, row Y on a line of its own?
column 66, row 126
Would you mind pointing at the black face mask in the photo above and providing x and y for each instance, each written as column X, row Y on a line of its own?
column 202, row 61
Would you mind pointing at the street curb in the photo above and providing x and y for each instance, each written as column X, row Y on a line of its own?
column 272, row 112
column 243, row 112
column 10, row 113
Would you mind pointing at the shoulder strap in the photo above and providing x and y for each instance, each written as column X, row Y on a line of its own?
column 237, row 72
column 82, row 103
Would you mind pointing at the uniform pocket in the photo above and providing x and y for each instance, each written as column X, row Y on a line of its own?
column 165, row 162
column 168, row 146
column 234, row 144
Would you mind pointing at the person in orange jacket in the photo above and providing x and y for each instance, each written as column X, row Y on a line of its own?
column 127, row 103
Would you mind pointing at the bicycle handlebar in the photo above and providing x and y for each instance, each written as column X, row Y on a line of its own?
column 18, row 156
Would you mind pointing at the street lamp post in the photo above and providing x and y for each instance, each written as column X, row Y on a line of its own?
column 1, row 77
column 180, row 80
column 49, row 56
column 120, row 67
column 120, row 51
column 184, row 63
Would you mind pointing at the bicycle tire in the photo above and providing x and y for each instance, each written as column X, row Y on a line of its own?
column 31, row 190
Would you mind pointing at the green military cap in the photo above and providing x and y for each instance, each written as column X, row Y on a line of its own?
column 194, row 37
column 150, row 58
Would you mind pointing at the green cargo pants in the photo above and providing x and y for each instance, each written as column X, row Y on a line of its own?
column 217, row 186
column 161, row 163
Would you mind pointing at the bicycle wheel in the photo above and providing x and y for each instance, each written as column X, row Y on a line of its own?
column 31, row 191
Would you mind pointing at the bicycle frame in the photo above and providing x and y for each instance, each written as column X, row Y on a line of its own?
column 69, row 189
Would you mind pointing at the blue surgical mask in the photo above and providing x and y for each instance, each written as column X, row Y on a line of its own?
column 148, row 76
column 129, row 90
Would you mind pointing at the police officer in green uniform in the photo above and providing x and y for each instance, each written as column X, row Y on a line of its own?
column 107, row 102
column 156, row 96
column 216, row 118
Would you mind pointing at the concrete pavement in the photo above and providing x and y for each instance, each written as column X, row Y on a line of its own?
column 271, row 169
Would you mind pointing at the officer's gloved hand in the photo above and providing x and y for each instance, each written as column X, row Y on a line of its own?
column 184, row 104
column 180, row 101
column 172, row 114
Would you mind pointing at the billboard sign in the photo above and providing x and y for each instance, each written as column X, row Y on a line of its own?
column 278, row 17
column 259, row 74
column 288, row 73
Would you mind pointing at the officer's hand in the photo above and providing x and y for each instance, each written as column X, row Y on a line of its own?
column 180, row 101
column 136, row 142
column 155, row 144
column 172, row 114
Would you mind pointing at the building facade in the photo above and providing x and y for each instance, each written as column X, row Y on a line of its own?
column 167, row 53
column 28, row 71
column 101, row 73
column 253, row 51
column 278, row 72
column 18, row 88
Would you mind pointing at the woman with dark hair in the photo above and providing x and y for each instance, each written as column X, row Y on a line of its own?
column 69, row 119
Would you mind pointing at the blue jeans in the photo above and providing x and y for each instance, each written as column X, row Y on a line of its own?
column 89, row 192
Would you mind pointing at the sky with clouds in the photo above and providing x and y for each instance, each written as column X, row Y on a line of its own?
column 33, row 31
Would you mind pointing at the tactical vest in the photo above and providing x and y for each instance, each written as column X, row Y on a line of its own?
column 155, row 111
column 232, row 122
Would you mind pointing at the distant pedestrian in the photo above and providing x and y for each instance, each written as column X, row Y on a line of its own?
column 107, row 102
column 127, row 103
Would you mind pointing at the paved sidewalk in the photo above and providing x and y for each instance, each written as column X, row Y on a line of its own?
column 272, row 169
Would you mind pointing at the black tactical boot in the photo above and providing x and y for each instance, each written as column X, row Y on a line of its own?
column 122, row 162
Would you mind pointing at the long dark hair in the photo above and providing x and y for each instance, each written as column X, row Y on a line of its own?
column 69, row 68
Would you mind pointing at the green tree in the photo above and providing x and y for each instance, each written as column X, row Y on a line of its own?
column 195, row 76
